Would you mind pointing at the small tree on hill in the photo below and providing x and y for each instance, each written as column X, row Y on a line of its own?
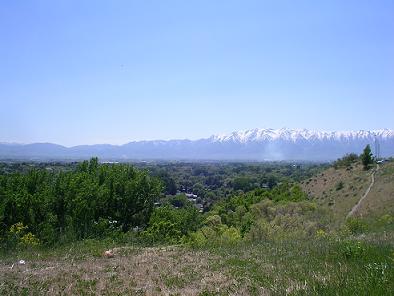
column 366, row 157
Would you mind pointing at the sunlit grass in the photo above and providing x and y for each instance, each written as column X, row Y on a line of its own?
column 323, row 265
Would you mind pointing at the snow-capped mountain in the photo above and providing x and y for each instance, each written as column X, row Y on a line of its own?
column 254, row 144
column 260, row 135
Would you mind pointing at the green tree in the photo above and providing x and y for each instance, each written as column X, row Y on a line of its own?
column 168, row 224
column 79, row 203
column 366, row 157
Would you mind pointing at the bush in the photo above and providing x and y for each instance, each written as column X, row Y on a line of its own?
column 287, row 192
column 339, row 186
column 18, row 237
column 215, row 233
column 351, row 249
column 320, row 233
column 106, row 228
column 386, row 220
column 163, row 232
column 260, row 231
column 356, row 225
column 169, row 225
column 29, row 240
column 346, row 161
column 230, row 235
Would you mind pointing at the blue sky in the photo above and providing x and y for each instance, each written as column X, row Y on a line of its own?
column 85, row 72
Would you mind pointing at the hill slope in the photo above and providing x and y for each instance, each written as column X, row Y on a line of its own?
column 380, row 200
column 341, row 189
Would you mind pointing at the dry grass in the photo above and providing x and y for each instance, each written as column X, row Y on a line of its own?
column 380, row 200
column 147, row 271
column 326, row 190
column 284, row 267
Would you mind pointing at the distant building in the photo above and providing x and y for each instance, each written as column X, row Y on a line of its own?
column 191, row 195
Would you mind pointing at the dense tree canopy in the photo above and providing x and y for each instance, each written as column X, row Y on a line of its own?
column 60, row 202
column 80, row 203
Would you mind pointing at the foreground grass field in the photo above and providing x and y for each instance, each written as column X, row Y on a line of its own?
column 320, row 266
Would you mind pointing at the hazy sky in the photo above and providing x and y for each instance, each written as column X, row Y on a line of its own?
column 84, row 72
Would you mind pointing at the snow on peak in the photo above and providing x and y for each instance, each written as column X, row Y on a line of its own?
column 269, row 134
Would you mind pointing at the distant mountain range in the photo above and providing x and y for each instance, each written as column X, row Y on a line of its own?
column 255, row 144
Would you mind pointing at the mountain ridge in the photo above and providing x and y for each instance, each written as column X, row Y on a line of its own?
column 253, row 144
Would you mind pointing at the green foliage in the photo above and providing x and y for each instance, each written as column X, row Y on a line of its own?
column 178, row 201
column 352, row 249
column 346, row 161
column 287, row 192
column 18, row 236
column 261, row 230
column 386, row 219
column 291, row 219
column 356, row 225
column 320, row 233
column 162, row 232
column 319, row 266
column 230, row 235
column 169, row 225
column 244, row 183
column 215, row 233
column 260, row 215
column 216, row 181
column 17, row 228
column 339, row 186
column 79, row 203
column 29, row 239
column 233, row 211
column 366, row 157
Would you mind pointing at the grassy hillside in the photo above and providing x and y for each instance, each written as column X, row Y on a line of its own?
column 341, row 188
column 380, row 200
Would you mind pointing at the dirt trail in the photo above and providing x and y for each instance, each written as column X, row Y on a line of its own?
column 355, row 208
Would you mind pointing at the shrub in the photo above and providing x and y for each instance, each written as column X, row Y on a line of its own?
column 230, row 235
column 105, row 228
column 320, row 233
column 351, row 249
column 18, row 236
column 356, row 225
column 29, row 240
column 260, row 231
column 215, row 233
column 169, row 225
column 386, row 219
column 346, row 161
column 339, row 186
column 164, row 232
column 17, row 228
